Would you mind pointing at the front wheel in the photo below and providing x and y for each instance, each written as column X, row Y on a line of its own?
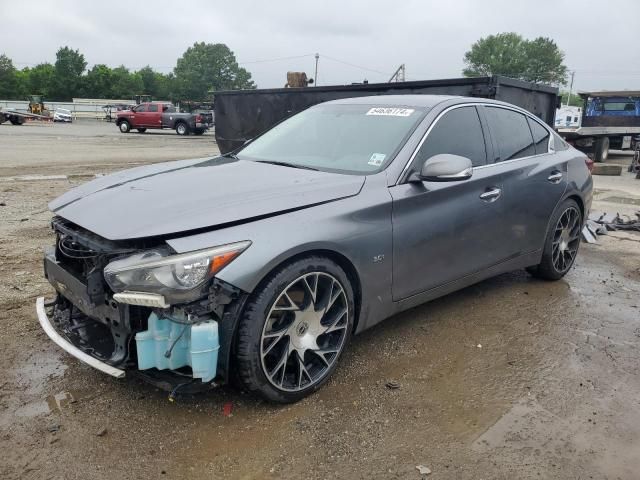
column 294, row 330
column 562, row 243
column 125, row 127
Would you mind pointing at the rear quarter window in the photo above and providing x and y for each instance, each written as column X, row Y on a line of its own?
column 540, row 136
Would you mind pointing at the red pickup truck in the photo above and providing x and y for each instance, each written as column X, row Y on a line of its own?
column 161, row 115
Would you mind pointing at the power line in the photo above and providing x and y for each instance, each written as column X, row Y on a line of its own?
column 356, row 66
column 277, row 59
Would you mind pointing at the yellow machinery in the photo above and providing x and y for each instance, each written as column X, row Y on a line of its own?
column 36, row 105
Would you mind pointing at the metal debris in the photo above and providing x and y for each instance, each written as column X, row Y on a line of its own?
column 601, row 224
column 620, row 222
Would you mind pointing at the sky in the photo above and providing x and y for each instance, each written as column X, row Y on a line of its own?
column 355, row 39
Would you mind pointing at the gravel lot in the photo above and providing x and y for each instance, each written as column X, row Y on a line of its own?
column 510, row 378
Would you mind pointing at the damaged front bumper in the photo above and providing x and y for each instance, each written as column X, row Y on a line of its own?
column 165, row 345
column 70, row 348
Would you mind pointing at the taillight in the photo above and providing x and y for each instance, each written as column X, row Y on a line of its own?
column 199, row 118
column 589, row 163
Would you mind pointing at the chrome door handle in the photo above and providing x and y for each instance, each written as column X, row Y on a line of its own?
column 555, row 177
column 491, row 195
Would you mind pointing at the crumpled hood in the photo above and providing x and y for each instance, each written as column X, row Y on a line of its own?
column 174, row 197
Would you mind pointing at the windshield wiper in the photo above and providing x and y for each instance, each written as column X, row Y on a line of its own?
column 230, row 155
column 285, row 164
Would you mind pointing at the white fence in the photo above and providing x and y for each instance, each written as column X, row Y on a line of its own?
column 80, row 107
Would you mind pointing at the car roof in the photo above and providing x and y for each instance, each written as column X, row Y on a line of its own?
column 420, row 101
column 395, row 100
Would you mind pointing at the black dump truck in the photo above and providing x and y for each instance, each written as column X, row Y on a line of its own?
column 244, row 114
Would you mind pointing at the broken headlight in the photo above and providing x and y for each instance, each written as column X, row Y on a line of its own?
column 157, row 271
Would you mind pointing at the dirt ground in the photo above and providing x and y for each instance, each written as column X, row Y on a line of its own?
column 510, row 378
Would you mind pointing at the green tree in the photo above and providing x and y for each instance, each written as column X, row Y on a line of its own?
column 125, row 84
column 8, row 80
column 165, row 86
column 97, row 82
column 539, row 60
column 576, row 100
column 69, row 66
column 149, row 81
column 39, row 80
column 204, row 67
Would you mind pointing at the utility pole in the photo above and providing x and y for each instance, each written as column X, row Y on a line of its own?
column 315, row 77
column 570, row 88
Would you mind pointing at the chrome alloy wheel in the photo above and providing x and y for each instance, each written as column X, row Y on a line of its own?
column 305, row 332
column 566, row 240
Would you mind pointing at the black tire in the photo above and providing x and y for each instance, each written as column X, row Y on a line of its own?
column 16, row 120
column 182, row 128
column 141, row 130
column 248, row 359
column 548, row 269
column 602, row 149
column 198, row 131
column 124, row 126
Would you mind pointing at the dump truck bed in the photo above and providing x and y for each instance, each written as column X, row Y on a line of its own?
column 243, row 114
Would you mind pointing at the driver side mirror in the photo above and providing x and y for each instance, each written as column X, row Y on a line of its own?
column 444, row 167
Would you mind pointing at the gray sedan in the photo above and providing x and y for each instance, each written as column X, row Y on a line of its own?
column 261, row 264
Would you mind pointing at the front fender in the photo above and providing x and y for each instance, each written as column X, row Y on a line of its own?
column 357, row 228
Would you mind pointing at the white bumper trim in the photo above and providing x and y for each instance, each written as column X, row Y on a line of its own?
column 72, row 349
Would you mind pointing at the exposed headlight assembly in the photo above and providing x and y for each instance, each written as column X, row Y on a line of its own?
column 157, row 271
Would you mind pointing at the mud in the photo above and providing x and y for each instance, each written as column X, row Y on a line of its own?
column 510, row 378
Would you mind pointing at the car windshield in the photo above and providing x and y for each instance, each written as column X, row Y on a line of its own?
column 355, row 139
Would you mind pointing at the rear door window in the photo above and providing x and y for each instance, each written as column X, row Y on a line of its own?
column 458, row 132
column 153, row 108
column 510, row 130
column 540, row 136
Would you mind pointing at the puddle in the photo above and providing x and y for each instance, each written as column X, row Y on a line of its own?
column 31, row 379
column 32, row 376
column 61, row 400
column 52, row 403
column 31, row 410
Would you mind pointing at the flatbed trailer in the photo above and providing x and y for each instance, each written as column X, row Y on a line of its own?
column 244, row 114
column 610, row 120
column 18, row 118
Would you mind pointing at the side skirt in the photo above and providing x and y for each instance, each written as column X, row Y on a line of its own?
column 517, row 263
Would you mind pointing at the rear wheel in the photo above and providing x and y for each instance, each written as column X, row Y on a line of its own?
column 562, row 243
column 124, row 126
column 182, row 129
column 142, row 130
column 294, row 329
column 198, row 131
column 602, row 149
